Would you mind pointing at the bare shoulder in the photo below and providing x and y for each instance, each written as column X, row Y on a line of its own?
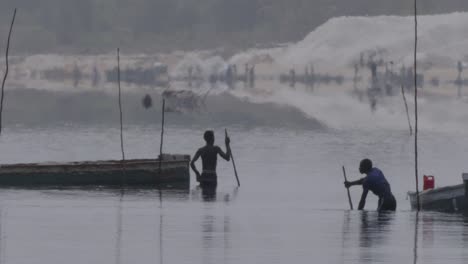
column 201, row 150
column 217, row 148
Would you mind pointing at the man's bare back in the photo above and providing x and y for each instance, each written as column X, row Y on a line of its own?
column 209, row 155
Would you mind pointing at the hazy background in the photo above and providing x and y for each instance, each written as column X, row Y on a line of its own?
column 96, row 26
column 290, row 140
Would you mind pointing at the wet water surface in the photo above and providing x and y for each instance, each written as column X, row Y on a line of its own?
column 291, row 206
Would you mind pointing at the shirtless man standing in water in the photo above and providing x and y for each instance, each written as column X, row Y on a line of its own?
column 209, row 155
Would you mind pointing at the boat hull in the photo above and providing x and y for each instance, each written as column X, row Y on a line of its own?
column 450, row 199
column 171, row 172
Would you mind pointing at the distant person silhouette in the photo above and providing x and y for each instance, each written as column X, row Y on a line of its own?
column 209, row 154
column 374, row 181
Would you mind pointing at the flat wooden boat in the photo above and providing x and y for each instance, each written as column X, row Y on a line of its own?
column 170, row 172
column 450, row 199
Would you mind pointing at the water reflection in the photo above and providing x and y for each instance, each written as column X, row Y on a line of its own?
column 374, row 232
column 211, row 195
column 118, row 240
column 161, row 251
column 208, row 238
column 427, row 220
column 2, row 242
column 374, row 228
column 415, row 248
column 227, row 238
column 215, row 238
column 119, row 245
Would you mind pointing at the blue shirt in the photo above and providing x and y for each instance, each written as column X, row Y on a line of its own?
column 376, row 182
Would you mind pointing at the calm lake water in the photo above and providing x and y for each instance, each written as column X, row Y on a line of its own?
column 291, row 206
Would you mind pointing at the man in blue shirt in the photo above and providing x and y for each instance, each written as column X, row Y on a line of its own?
column 374, row 181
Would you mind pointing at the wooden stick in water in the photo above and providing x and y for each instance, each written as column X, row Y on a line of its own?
column 124, row 174
column 162, row 136
column 120, row 107
column 349, row 195
column 407, row 113
column 233, row 162
column 416, row 174
column 6, row 70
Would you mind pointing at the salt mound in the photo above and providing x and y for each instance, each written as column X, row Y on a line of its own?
column 339, row 41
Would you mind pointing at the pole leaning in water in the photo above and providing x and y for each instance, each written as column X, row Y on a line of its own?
column 349, row 195
column 416, row 102
column 162, row 136
column 7, row 68
column 233, row 162
column 124, row 174
column 407, row 112
column 120, row 107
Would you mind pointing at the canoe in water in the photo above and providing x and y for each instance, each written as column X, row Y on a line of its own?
column 171, row 172
column 449, row 199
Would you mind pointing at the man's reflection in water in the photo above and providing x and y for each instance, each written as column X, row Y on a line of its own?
column 208, row 238
column 372, row 234
column 210, row 194
column 374, row 228
column 216, row 232
column 204, row 194
column 215, row 236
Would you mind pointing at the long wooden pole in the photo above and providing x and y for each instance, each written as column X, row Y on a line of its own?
column 122, row 162
column 120, row 106
column 161, row 256
column 7, row 68
column 162, row 136
column 349, row 195
column 233, row 162
column 416, row 102
column 407, row 112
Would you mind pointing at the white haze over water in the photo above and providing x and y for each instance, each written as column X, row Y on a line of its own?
column 338, row 43
column 331, row 48
column 443, row 40
column 292, row 173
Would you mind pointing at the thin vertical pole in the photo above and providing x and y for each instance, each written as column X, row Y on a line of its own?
column 416, row 102
column 349, row 195
column 162, row 127
column 7, row 68
column 120, row 107
column 121, row 128
column 407, row 112
column 122, row 190
column 233, row 162
column 162, row 136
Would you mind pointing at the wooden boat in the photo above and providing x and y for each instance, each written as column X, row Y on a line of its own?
column 450, row 199
column 170, row 172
